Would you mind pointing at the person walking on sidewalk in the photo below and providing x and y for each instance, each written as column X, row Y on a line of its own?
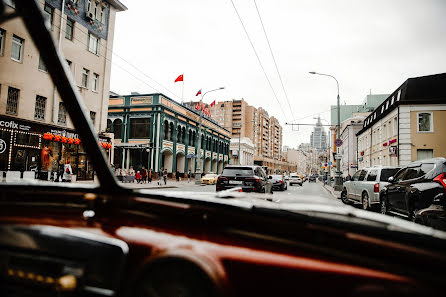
column 143, row 175
column 160, row 177
column 138, row 177
column 188, row 176
column 60, row 168
column 165, row 176
column 177, row 176
column 150, row 175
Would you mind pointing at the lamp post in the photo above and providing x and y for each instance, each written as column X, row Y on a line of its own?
column 338, row 180
column 200, row 164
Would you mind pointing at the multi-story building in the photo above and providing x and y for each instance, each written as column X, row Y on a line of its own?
column 264, row 131
column 318, row 138
column 348, row 150
column 241, row 151
column 369, row 104
column 83, row 30
column 156, row 132
column 407, row 126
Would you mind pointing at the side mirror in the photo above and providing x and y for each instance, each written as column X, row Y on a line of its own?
column 391, row 179
column 270, row 177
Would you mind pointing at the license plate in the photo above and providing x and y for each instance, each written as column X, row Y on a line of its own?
column 235, row 182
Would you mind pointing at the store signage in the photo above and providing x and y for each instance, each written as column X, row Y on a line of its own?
column 385, row 143
column 353, row 165
column 64, row 133
column 2, row 146
column 393, row 151
column 14, row 125
column 360, row 159
column 392, row 141
column 142, row 100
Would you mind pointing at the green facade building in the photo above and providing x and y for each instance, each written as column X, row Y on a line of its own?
column 156, row 132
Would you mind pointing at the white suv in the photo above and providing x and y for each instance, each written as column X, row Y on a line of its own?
column 295, row 179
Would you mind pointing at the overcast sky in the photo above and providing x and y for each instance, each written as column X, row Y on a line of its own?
column 369, row 45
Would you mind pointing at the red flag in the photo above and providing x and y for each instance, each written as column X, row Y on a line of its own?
column 198, row 93
column 179, row 78
column 213, row 103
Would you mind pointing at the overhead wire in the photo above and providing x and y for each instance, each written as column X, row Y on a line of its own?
column 274, row 59
column 258, row 59
column 114, row 63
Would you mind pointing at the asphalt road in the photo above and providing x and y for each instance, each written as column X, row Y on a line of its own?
column 294, row 194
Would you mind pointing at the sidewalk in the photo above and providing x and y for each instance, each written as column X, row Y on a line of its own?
column 329, row 188
column 171, row 183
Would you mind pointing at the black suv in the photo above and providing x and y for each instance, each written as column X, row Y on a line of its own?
column 248, row 178
column 417, row 192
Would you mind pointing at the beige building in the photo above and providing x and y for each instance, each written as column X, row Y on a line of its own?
column 407, row 126
column 84, row 31
column 264, row 131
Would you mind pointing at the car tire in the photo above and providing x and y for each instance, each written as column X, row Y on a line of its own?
column 344, row 198
column 384, row 207
column 365, row 201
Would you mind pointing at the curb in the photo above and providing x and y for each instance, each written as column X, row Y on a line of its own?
column 156, row 187
column 330, row 191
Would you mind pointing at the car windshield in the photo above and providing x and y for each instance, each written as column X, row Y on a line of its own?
column 152, row 96
column 386, row 173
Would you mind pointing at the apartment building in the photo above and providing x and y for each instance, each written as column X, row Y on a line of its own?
column 84, row 32
column 264, row 131
column 407, row 126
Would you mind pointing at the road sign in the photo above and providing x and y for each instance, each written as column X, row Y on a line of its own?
column 338, row 157
column 338, row 142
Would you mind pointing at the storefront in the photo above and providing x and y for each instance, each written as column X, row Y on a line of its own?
column 33, row 150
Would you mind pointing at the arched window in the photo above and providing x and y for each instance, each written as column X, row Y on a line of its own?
column 183, row 136
column 109, row 125
column 171, row 131
column 117, row 128
column 166, row 130
column 178, row 134
column 194, row 138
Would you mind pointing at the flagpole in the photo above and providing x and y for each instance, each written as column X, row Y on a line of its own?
column 182, row 92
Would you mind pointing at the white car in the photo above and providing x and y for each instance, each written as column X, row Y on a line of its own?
column 295, row 179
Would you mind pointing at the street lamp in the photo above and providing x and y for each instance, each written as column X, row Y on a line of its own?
column 200, row 164
column 338, row 181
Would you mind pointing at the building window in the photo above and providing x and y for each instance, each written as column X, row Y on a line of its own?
column 2, row 41
column 96, row 10
column 423, row 154
column 117, row 128
column 384, row 132
column 48, row 14
column 69, row 29
column 93, row 117
column 103, row 14
column 17, row 48
column 139, row 128
column 395, row 126
column 88, row 5
column 12, row 102
column 93, row 44
column 62, row 115
column 42, row 65
column 95, row 82
column 39, row 111
column 425, row 122
column 69, row 63
column 85, row 73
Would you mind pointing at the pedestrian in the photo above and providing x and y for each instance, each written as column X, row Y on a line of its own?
column 150, row 175
column 160, row 176
column 144, row 175
column 68, row 171
column 138, row 177
column 60, row 169
column 188, row 176
column 165, row 176
column 177, row 176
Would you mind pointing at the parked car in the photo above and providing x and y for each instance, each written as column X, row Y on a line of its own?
column 248, row 178
column 209, row 179
column 279, row 182
column 365, row 185
column 417, row 192
column 312, row 178
column 295, row 179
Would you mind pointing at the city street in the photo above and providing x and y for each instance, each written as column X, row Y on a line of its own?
column 293, row 194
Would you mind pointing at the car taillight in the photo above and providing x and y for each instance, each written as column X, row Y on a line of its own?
column 376, row 188
column 280, row 181
column 240, row 190
column 252, row 180
column 222, row 179
column 441, row 179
